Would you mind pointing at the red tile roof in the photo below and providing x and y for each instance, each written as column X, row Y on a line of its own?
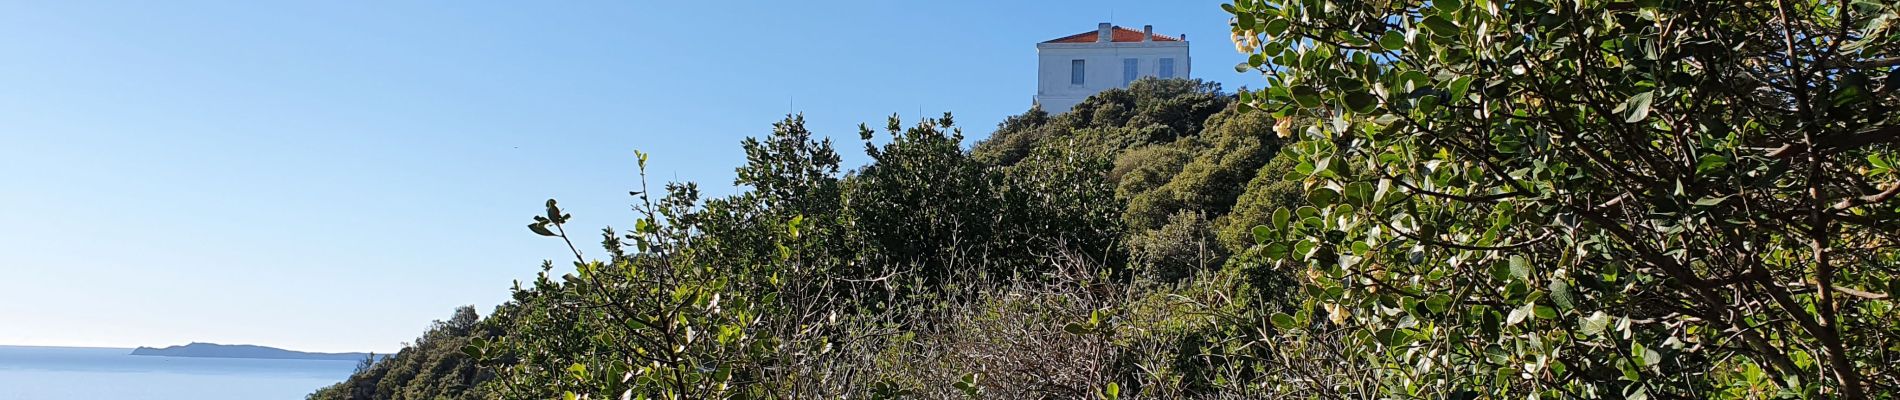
column 1120, row 35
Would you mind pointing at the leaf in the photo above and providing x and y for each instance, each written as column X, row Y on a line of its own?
column 1636, row 109
column 1506, row 374
column 1113, row 391
column 1440, row 26
column 1361, row 101
column 1306, row 96
column 1518, row 314
column 1392, row 40
column 1595, row 323
column 1544, row 312
column 1076, row 328
column 1262, row 234
column 1710, row 162
column 1562, row 295
column 1322, row 197
column 540, row 229
column 1641, row 393
column 1459, row 87
column 1438, row 303
column 1447, row 5
column 1359, row 194
column 1710, row 201
column 1277, row 26
column 1283, row 321
column 1280, row 218
column 967, row 384
column 1648, row 355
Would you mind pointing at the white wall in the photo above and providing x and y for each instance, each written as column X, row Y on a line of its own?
column 1104, row 68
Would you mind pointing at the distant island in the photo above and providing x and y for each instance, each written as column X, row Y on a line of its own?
column 213, row 350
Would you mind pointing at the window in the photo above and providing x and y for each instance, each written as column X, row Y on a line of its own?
column 1167, row 68
column 1131, row 68
column 1077, row 70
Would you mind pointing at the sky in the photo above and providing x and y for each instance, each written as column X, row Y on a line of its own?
column 332, row 176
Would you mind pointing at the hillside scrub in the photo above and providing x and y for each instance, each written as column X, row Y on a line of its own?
column 1425, row 199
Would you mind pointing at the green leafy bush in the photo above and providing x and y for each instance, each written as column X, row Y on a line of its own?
column 1590, row 199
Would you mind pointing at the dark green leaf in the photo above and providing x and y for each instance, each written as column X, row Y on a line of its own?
column 540, row 229
column 1306, row 96
column 1438, row 303
column 1322, row 197
column 1361, row 101
column 1459, row 87
column 1392, row 40
column 1545, row 312
column 1276, row 27
column 1283, row 321
column 1440, row 26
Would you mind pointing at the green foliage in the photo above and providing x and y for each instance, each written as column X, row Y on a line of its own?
column 922, row 202
column 1149, row 111
column 1059, row 200
column 1146, row 168
column 432, row 367
column 1179, row 249
column 663, row 322
column 1589, row 199
column 1002, row 271
column 1228, row 154
column 1268, row 191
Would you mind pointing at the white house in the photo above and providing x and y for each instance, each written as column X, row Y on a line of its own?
column 1074, row 67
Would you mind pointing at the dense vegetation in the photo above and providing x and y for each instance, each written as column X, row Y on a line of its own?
column 1440, row 199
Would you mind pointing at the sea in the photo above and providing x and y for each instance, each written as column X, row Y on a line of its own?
column 34, row 373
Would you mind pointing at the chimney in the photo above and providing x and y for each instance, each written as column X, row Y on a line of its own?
column 1147, row 33
column 1183, row 37
column 1107, row 32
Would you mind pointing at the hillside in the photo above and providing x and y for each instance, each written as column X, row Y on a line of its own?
column 1137, row 200
column 1436, row 199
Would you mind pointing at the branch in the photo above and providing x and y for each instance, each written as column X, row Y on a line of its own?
column 1803, row 287
column 1884, row 195
column 1540, row 239
column 1886, row 134
column 1490, row 198
column 1864, row 64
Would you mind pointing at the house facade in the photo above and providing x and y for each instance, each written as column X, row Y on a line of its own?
column 1074, row 67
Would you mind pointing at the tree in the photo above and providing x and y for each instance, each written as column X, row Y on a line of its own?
column 1576, row 198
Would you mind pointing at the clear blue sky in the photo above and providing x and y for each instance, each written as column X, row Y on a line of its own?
column 332, row 176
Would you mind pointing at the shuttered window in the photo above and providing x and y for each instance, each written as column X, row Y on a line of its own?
column 1077, row 70
column 1131, row 68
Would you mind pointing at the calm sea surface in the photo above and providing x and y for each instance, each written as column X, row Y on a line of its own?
column 97, row 373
